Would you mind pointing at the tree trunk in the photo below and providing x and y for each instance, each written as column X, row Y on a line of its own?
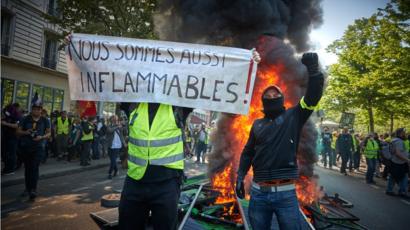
column 371, row 118
column 391, row 122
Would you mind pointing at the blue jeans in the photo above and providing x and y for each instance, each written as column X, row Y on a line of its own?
column 402, row 185
column 113, row 153
column 200, row 148
column 284, row 205
column 327, row 154
column 371, row 167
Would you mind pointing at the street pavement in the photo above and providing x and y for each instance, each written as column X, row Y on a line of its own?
column 65, row 202
column 375, row 209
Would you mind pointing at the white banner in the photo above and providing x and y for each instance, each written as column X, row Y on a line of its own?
column 103, row 68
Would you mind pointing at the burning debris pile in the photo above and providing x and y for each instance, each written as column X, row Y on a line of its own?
column 201, row 207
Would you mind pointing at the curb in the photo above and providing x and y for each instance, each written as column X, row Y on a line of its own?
column 54, row 174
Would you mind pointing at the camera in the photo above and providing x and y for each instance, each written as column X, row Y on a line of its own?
column 33, row 134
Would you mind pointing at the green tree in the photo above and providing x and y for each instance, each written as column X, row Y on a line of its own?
column 372, row 73
column 127, row 18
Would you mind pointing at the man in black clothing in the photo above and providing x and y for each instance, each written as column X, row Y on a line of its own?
column 271, row 150
column 344, row 144
column 9, row 124
column 326, row 147
column 33, row 129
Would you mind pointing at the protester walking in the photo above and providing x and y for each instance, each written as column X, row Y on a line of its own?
column 370, row 149
column 201, row 145
column 9, row 123
column 62, row 130
column 357, row 153
column 115, row 141
column 326, row 147
column 399, row 165
column 33, row 129
column 344, row 145
column 86, row 140
column 74, row 140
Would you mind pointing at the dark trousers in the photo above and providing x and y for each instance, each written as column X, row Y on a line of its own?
column 200, row 148
column 334, row 157
column 387, row 167
column 85, row 152
column 10, row 154
column 371, row 167
column 62, row 142
column 73, row 151
column 350, row 159
column 138, row 199
column 356, row 159
column 31, row 159
column 113, row 154
column 96, row 148
column 327, row 156
column 345, row 158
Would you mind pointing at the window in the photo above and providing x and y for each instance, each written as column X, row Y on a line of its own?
column 22, row 94
column 7, row 90
column 6, row 19
column 58, row 99
column 52, row 8
column 52, row 98
column 50, row 51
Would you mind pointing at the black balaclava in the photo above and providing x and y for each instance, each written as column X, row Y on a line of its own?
column 273, row 107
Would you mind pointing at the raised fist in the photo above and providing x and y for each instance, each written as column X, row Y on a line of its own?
column 311, row 61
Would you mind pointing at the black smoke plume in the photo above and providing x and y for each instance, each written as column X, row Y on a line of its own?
column 240, row 23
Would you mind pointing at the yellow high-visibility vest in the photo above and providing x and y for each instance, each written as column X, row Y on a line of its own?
column 161, row 144
column 371, row 149
column 88, row 137
column 62, row 127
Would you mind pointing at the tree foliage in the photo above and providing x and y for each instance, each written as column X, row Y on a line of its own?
column 125, row 18
column 373, row 69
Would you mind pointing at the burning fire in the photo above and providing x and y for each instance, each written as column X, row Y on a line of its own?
column 240, row 128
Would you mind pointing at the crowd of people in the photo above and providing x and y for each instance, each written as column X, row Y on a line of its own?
column 71, row 137
column 198, row 142
column 30, row 139
column 387, row 155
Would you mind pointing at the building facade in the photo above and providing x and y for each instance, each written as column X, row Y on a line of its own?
column 30, row 60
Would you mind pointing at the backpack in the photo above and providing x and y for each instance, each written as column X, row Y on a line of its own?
column 386, row 150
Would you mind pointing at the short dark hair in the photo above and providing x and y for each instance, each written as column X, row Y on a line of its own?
column 399, row 131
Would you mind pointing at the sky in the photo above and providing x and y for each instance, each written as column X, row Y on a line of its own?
column 337, row 15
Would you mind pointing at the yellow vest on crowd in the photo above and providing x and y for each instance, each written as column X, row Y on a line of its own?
column 161, row 144
column 62, row 127
column 407, row 145
column 88, row 137
column 333, row 144
column 371, row 149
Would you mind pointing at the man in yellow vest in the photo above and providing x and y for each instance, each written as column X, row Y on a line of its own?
column 63, row 129
column 370, row 150
column 87, row 131
column 155, row 166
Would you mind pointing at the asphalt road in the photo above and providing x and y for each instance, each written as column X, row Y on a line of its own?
column 65, row 202
column 375, row 209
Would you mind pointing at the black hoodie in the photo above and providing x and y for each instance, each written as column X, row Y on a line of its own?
column 273, row 142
